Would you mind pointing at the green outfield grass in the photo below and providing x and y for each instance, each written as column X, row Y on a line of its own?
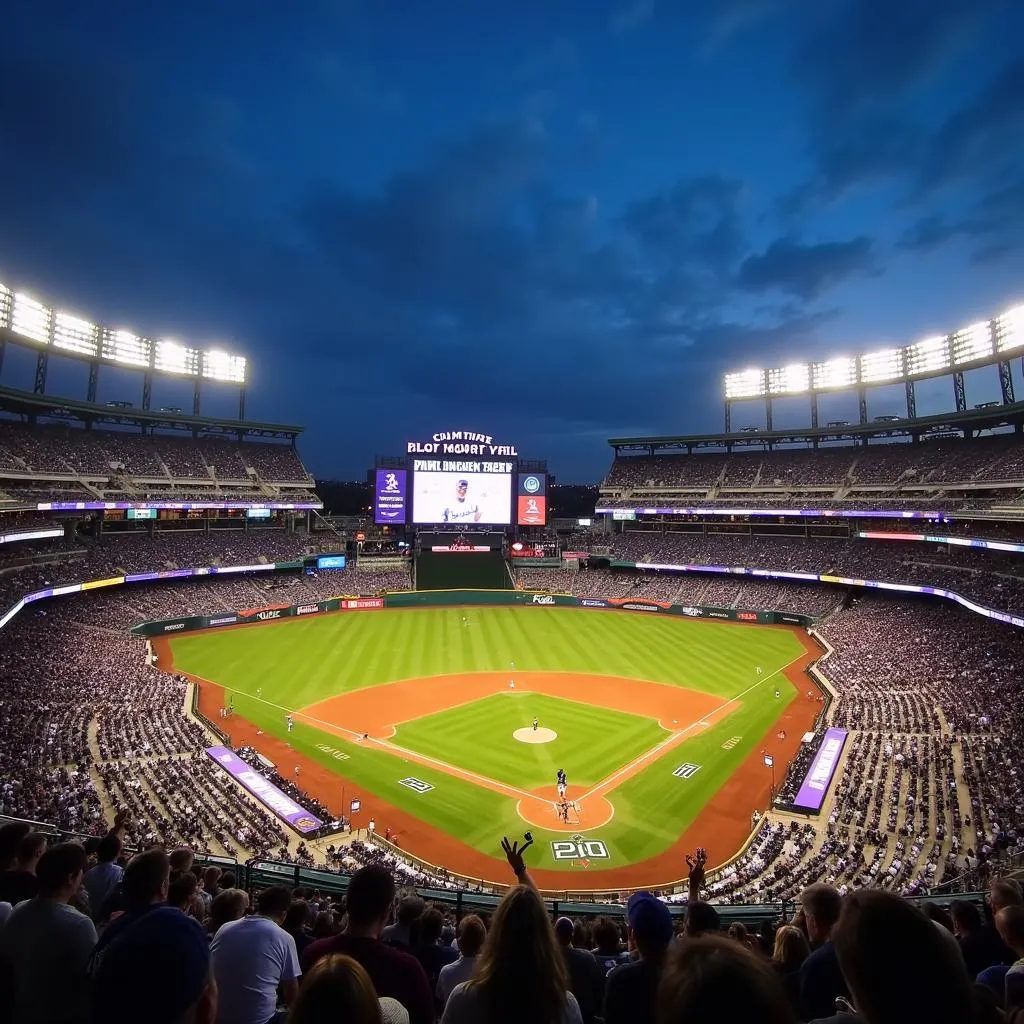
column 297, row 662
column 590, row 739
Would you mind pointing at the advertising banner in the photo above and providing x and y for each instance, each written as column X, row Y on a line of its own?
column 361, row 602
column 747, row 616
column 265, row 791
column 818, row 513
column 77, row 506
column 532, row 499
column 819, row 776
column 389, row 497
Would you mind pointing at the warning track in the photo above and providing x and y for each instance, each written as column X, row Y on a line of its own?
column 721, row 826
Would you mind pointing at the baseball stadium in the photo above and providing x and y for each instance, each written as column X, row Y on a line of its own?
column 772, row 645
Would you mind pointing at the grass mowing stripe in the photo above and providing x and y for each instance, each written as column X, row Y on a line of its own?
column 295, row 663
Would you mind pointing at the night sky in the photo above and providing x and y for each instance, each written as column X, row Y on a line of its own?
column 550, row 222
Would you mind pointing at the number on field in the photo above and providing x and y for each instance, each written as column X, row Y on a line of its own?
column 686, row 771
column 417, row 785
column 579, row 849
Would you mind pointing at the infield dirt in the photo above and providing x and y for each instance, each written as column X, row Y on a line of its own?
column 721, row 827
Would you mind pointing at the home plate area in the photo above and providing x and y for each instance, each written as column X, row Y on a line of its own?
column 538, row 735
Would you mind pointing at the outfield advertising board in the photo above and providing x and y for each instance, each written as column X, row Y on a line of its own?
column 265, row 791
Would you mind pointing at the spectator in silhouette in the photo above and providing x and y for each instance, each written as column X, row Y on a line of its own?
column 427, row 947
column 295, row 925
column 979, row 946
column 158, row 970
column 898, row 967
column 1010, row 923
column 228, row 905
column 393, row 971
column 182, row 894
column 631, row 989
column 410, row 909
column 821, row 980
column 45, row 945
column 471, row 936
column 520, row 975
column 339, row 989
column 105, row 875
column 255, row 962
column 715, row 979
column 144, row 886
column 19, row 882
column 586, row 981
column 608, row 949
column 11, row 836
column 788, row 956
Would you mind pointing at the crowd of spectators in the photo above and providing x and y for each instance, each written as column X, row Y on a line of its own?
column 88, row 933
column 95, row 453
column 981, row 460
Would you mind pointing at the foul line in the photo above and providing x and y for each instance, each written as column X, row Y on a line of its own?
column 449, row 769
column 676, row 736
column 494, row 784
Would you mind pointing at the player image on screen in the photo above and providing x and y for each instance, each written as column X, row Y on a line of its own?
column 463, row 510
column 462, row 499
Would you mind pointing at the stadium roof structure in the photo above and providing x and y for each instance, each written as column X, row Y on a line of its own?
column 35, row 406
column 920, row 428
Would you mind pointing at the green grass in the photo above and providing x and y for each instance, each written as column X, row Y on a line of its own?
column 591, row 741
column 298, row 662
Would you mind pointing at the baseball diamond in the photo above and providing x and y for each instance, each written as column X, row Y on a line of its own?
column 413, row 711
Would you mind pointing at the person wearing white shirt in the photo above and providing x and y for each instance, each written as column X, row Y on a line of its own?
column 255, row 960
column 471, row 940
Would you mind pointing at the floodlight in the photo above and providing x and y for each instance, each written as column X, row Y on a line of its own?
column 1010, row 330
column 972, row 343
column 174, row 358
column 72, row 334
column 31, row 319
column 127, row 348
column 6, row 301
column 928, row 356
column 789, row 380
column 840, row 372
column 881, row 366
column 222, row 366
column 745, row 384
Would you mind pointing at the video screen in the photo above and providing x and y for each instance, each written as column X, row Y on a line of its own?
column 389, row 497
column 462, row 498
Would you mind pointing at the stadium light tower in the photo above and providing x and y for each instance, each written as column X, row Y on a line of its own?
column 981, row 344
column 26, row 321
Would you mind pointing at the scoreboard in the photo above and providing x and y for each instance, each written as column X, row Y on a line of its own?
column 460, row 479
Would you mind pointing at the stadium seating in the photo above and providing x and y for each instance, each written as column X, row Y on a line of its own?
column 60, row 463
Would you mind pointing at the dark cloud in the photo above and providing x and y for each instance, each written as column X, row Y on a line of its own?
column 860, row 52
column 871, row 69
column 980, row 139
column 806, row 271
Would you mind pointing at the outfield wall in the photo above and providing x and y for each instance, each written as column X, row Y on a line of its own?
column 462, row 598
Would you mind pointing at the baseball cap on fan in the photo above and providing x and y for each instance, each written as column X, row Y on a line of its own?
column 650, row 919
column 156, row 970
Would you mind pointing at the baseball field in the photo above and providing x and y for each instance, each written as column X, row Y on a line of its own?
column 660, row 722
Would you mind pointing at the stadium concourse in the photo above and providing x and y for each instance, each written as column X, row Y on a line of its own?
column 98, row 745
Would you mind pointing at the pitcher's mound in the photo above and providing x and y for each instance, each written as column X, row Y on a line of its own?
column 535, row 735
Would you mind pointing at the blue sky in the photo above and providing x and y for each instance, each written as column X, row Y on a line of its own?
column 550, row 222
